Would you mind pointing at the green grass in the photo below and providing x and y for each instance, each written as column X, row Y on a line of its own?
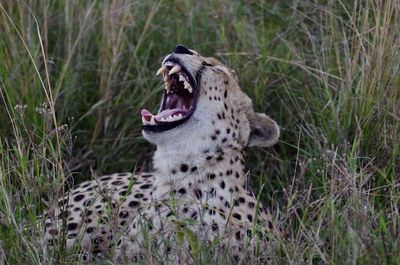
column 75, row 74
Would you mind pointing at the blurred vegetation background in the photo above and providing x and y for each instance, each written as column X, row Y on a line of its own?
column 75, row 74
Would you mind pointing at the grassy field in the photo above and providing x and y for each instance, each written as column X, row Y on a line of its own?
column 75, row 74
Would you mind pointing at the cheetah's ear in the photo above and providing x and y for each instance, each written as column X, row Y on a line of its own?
column 264, row 132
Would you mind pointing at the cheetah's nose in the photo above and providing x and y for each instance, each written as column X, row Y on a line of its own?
column 182, row 49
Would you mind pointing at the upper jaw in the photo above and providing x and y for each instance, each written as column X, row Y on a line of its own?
column 179, row 101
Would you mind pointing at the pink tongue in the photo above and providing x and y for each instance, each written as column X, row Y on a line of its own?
column 163, row 114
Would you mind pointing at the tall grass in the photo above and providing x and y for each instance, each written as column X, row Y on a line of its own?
column 74, row 75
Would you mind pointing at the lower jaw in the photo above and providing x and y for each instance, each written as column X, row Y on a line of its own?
column 165, row 126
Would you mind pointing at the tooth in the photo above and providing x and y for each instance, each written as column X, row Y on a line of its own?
column 188, row 86
column 152, row 121
column 162, row 119
column 161, row 70
column 182, row 78
column 167, row 88
column 180, row 115
column 177, row 68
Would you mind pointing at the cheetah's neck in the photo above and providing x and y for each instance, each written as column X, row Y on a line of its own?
column 175, row 170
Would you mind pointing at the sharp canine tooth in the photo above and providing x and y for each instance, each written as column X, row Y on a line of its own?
column 188, row 86
column 167, row 87
column 152, row 121
column 177, row 68
column 161, row 70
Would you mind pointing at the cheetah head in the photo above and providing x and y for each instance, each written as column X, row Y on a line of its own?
column 203, row 107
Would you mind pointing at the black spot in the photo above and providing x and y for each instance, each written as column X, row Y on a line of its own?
column 133, row 204
column 224, row 140
column 96, row 241
column 250, row 217
column 227, row 204
column 209, row 157
column 251, row 205
column 86, row 185
column 145, row 186
column 212, row 192
column 211, row 212
column 217, row 132
column 146, row 176
column 249, row 233
column 88, row 220
column 241, row 200
column 123, row 214
column 211, row 176
column 270, row 225
column 53, row 232
column 72, row 226
column 238, row 235
column 117, row 182
column 63, row 214
column 105, row 178
column 214, row 227
column 194, row 215
column 215, row 88
column 79, row 197
column 237, row 175
column 213, row 137
column 72, row 235
column 185, row 210
column 182, row 190
column 198, row 193
column 236, row 202
column 184, row 167
column 222, row 184
column 237, row 216
column 123, row 193
column 193, row 169
column 139, row 195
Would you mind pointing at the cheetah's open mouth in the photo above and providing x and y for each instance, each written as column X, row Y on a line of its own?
column 178, row 103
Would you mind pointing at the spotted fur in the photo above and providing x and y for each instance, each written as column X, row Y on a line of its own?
column 198, row 182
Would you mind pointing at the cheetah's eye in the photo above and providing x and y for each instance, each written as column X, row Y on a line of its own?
column 179, row 99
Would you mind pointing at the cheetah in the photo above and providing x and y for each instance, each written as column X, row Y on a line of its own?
column 198, row 183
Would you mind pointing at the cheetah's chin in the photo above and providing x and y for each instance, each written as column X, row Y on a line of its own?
column 178, row 103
